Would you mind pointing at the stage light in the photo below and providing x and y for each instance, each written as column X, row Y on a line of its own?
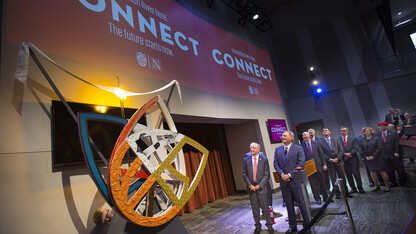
column 120, row 93
column 256, row 16
column 319, row 90
column 311, row 68
column 315, row 82
column 101, row 109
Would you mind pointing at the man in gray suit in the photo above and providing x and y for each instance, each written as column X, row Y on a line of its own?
column 333, row 153
column 256, row 174
column 287, row 158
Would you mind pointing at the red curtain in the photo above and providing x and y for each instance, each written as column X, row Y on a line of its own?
column 217, row 180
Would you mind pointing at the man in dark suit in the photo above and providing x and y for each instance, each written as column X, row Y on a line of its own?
column 362, row 158
column 390, row 116
column 332, row 149
column 325, row 174
column 351, row 161
column 390, row 150
column 256, row 174
column 313, row 151
column 286, row 158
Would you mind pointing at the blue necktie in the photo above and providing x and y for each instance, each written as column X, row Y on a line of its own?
column 329, row 143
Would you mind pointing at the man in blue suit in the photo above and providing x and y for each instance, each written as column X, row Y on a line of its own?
column 313, row 151
column 256, row 174
column 286, row 158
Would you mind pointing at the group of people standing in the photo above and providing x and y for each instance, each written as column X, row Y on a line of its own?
column 334, row 157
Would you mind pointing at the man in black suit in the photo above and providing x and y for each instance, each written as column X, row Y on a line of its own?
column 313, row 136
column 287, row 158
column 256, row 174
column 333, row 154
column 351, row 161
column 390, row 147
column 313, row 151
column 362, row 158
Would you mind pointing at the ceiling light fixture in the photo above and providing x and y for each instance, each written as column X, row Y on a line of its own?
column 256, row 16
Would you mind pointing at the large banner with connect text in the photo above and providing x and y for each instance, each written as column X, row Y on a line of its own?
column 155, row 39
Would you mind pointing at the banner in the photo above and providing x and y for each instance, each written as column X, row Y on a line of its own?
column 155, row 39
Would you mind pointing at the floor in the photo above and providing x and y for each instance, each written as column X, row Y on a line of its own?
column 373, row 212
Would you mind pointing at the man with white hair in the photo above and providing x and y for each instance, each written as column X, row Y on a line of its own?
column 256, row 174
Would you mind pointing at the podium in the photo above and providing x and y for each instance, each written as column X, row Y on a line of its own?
column 310, row 168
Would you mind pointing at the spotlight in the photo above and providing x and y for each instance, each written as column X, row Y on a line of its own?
column 256, row 16
column 319, row 90
column 101, row 109
column 311, row 68
column 315, row 82
column 120, row 93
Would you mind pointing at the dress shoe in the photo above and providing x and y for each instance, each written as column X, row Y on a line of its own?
column 353, row 191
column 338, row 196
column 291, row 230
column 284, row 204
column 318, row 201
column 349, row 195
column 361, row 190
column 270, row 229
column 257, row 230
column 371, row 184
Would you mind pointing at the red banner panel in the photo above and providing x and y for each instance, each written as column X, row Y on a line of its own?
column 155, row 39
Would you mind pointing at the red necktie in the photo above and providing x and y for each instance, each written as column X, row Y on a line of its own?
column 345, row 141
column 255, row 170
column 309, row 147
column 384, row 137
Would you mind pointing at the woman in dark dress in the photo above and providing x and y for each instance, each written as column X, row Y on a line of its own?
column 371, row 150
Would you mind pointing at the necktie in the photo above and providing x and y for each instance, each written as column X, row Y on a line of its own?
column 285, row 152
column 329, row 143
column 255, row 169
column 309, row 147
column 345, row 141
column 384, row 137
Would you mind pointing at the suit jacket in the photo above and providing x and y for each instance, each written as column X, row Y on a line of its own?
column 352, row 147
column 359, row 153
column 318, row 138
column 317, row 154
column 284, row 165
column 263, row 171
column 391, row 146
column 371, row 147
column 336, row 151
column 389, row 119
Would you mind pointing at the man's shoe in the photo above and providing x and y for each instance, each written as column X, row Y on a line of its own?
column 338, row 196
column 371, row 184
column 353, row 191
column 361, row 190
column 257, row 230
column 270, row 229
column 349, row 195
column 318, row 201
column 284, row 204
column 291, row 230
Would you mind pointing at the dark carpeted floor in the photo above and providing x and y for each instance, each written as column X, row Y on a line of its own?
column 373, row 212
